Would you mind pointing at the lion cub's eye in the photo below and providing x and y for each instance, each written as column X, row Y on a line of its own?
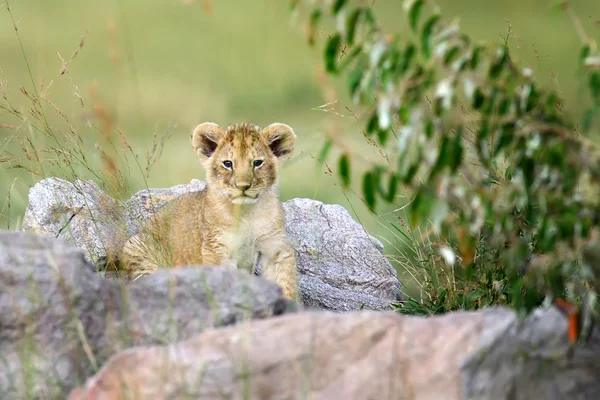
column 227, row 164
column 257, row 163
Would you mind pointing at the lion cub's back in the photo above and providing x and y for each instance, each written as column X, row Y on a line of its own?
column 184, row 219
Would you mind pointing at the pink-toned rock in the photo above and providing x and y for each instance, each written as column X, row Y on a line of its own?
column 488, row 354
column 360, row 355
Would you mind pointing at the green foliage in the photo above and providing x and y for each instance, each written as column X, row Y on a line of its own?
column 441, row 286
column 490, row 158
column 414, row 11
column 331, row 53
column 344, row 167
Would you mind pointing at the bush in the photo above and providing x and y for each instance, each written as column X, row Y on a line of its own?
column 489, row 157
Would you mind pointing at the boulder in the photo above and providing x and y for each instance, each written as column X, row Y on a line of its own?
column 60, row 320
column 78, row 212
column 531, row 360
column 146, row 202
column 362, row 355
column 340, row 266
column 84, row 215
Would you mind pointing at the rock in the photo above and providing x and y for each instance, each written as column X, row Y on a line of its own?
column 361, row 355
column 340, row 266
column 147, row 201
column 59, row 319
column 79, row 212
column 531, row 361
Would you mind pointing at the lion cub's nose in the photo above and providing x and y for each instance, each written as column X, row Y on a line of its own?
column 243, row 186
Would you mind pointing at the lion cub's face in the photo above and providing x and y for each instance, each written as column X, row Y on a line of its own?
column 242, row 161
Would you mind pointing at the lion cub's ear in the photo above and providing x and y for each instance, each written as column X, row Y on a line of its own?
column 281, row 140
column 205, row 139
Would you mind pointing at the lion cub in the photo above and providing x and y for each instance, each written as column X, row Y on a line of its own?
column 235, row 218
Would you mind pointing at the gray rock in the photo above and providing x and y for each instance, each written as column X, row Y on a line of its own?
column 340, row 266
column 146, row 202
column 361, row 355
column 531, row 360
column 79, row 212
column 60, row 320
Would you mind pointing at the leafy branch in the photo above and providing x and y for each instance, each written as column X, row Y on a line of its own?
column 489, row 154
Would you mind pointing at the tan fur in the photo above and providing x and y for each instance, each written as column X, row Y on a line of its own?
column 234, row 219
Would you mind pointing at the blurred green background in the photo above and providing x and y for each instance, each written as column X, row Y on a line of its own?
column 147, row 66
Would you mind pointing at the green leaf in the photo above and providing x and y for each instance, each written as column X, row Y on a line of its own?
column 504, row 107
column 355, row 77
column 505, row 138
column 465, row 39
column 441, row 161
column 426, row 34
column 595, row 86
column 337, row 6
column 348, row 58
column 476, row 57
column 429, row 128
column 392, row 56
column 368, row 187
column 490, row 104
column 378, row 172
column 456, row 151
column 556, row 154
column 498, row 63
column 313, row 23
column 373, row 124
column 438, row 106
column 508, row 173
column 460, row 64
column 331, row 53
column 344, row 167
column 404, row 114
column 370, row 18
column 414, row 11
column 584, row 53
column 552, row 104
column 351, row 23
column 444, row 157
column 386, row 76
column 382, row 135
column 451, row 55
column 325, row 151
column 409, row 55
column 392, row 189
column 484, row 130
column 407, row 175
column 421, row 206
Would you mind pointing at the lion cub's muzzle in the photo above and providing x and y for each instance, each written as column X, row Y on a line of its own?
column 243, row 193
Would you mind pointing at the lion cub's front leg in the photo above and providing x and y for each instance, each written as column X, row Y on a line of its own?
column 279, row 264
